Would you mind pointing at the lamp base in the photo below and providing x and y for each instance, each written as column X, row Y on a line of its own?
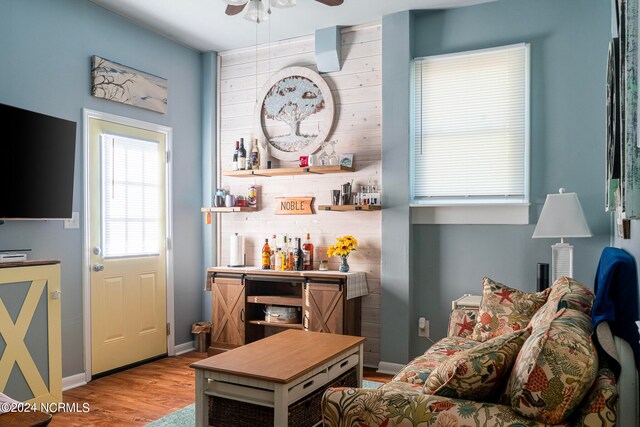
column 561, row 260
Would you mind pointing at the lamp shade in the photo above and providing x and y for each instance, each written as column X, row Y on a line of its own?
column 256, row 12
column 562, row 216
column 283, row 3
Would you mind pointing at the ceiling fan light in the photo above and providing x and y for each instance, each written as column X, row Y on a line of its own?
column 256, row 12
column 235, row 2
column 283, row 3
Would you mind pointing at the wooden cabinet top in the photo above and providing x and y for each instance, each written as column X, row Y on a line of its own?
column 256, row 271
column 33, row 263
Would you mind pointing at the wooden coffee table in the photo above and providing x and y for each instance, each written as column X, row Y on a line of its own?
column 276, row 371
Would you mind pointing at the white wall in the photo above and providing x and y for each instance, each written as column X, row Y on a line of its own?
column 357, row 93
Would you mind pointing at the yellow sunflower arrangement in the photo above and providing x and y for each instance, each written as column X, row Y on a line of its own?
column 343, row 247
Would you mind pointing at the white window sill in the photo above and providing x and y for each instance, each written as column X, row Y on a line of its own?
column 510, row 214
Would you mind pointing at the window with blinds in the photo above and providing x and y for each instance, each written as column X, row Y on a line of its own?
column 470, row 127
column 131, row 193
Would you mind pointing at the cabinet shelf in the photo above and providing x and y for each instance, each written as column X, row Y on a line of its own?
column 229, row 209
column 277, row 325
column 310, row 170
column 289, row 301
column 349, row 208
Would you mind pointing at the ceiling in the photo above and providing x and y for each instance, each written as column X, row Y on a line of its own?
column 202, row 24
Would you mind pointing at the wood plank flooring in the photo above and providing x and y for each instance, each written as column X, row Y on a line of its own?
column 143, row 394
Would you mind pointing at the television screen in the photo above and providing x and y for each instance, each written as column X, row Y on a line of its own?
column 37, row 156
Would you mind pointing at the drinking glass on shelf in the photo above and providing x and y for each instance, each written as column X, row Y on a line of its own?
column 323, row 158
column 334, row 160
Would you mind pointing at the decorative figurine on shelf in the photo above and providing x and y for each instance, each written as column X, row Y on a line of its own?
column 342, row 248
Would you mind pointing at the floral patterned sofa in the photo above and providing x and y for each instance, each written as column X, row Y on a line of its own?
column 521, row 359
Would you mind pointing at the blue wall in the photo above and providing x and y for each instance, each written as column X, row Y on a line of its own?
column 45, row 51
column 569, row 41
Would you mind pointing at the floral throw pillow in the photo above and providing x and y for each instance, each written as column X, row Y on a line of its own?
column 477, row 373
column 555, row 368
column 504, row 309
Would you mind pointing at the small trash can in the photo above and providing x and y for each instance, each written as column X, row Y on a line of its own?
column 201, row 330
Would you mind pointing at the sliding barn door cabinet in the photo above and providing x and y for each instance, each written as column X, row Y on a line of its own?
column 243, row 301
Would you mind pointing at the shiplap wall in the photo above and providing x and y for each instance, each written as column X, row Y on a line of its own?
column 357, row 128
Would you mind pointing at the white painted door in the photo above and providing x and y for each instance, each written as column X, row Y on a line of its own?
column 127, row 243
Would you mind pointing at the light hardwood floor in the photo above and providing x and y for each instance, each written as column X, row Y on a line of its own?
column 140, row 395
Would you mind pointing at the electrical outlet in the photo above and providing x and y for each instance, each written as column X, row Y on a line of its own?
column 423, row 327
column 74, row 222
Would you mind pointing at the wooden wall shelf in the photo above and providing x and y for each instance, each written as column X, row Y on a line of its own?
column 349, row 208
column 228, row 210
column 311, row 170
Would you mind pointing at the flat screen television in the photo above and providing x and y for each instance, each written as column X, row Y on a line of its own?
column 37, row 157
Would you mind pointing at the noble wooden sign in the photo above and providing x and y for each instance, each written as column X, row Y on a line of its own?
column 294, row 205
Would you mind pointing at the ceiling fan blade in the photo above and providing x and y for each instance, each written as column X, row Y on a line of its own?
column 331, row 2
column 234, row 10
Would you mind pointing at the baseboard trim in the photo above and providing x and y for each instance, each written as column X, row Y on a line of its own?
column 389, row 368
column 73, row 381
column 185, row 348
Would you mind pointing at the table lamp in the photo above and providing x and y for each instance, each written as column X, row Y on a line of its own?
column 562, row 216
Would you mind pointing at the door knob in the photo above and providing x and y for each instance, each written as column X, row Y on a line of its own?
column 97, row 267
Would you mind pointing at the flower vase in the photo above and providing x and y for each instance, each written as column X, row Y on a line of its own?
column 344, row 266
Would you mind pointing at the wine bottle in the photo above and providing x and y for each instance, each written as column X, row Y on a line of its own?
column 242, row 156
column 266, row 255
column 235, row 157
column 255, row 155
column 307, row 251
column 298, row 257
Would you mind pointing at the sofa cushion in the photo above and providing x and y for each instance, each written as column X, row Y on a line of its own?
column 599, row 407
column 555, row 368
column 477, row 373
column 418, row 370
column 565, row 293
column 462, row 322
column 504, row 309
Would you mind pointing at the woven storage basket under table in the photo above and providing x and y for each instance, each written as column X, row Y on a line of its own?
column 306, row 412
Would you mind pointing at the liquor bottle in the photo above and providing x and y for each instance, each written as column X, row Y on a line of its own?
column 235, row 157
column 272, row 245
column 290, row 249
column 255, row 155
column 242, row 156
column 307, row 251
column 299, row 255
column 266, row 255
column 278, row 260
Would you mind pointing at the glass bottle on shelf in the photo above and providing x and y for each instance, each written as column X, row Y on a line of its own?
column 298, row 256
column 278, row 260
column 323, row 158
column 255, row 155
column 307, row 252
column 242, row 156
column 235, row 156
column 266, row 255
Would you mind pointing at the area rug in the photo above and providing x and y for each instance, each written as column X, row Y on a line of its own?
column 186, row 417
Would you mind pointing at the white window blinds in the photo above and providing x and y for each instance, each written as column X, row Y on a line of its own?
column 470, row 127
column 131, row 192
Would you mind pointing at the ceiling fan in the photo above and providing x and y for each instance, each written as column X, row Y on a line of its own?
column 256, row 11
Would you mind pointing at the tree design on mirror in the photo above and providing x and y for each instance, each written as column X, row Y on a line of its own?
column 294, row 114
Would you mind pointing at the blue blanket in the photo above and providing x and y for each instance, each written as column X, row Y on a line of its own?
column 616, row 289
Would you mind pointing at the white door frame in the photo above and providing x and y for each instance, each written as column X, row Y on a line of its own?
column 86, row 247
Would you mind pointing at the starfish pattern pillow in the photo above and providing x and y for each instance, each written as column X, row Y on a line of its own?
column 504, row 310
